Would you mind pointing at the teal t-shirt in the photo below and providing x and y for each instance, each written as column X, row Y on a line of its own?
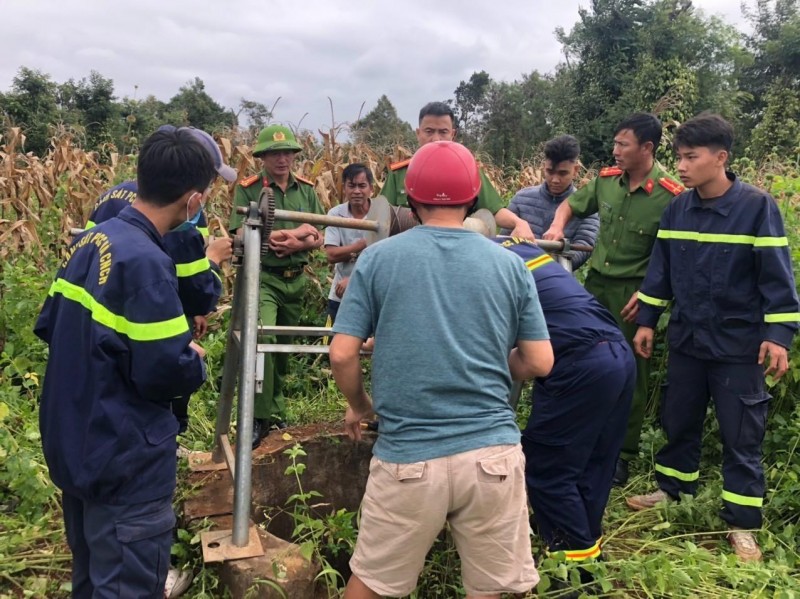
column 445, row 306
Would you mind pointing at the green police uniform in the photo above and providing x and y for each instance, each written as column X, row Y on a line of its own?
column 394, row 189
column 628, row 227
column 282, row 283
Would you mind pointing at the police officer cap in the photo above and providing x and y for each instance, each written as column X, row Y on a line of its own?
column 274, row 138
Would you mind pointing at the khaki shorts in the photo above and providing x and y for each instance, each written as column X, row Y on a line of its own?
column 480, row 493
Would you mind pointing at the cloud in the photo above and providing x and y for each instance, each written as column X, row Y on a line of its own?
column 301, row 51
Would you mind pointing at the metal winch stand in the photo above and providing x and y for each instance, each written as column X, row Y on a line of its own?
column 244, row 359
column 244, row 355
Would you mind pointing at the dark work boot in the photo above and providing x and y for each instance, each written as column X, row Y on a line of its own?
column 621, row 473
column 260, row 430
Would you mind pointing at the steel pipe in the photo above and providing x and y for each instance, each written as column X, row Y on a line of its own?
column 247, row 380
column 321, row 219
column 229, row 370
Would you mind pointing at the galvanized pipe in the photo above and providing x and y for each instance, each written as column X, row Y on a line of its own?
column 321, row 219
column 247, row 380
column 329, row 221
column 558, row 246
column 229, row 372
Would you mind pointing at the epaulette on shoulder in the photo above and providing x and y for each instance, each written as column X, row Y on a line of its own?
column 247, row 182
column 671, row 186
column 306, row 181
column 398, row 165
column 610, row 171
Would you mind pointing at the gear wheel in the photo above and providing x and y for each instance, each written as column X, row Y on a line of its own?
column 266, row 207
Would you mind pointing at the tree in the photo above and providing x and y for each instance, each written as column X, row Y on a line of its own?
column 199, row 109
column 257, row 114
column 90, row 104
column 516, row 119
column 772, row 80
column 470, row 105
column 652, row 55
column 382, row 129
column 31, row 104
column 139, row 118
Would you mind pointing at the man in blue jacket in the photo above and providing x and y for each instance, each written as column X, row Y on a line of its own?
column 199, row 282
column 120, row 351
column 722, row 256
column 197, row 267
column 538, row 204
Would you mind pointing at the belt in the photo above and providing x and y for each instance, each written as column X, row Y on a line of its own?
column 284, row 273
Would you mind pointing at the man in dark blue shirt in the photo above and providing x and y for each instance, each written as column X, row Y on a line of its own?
column 575, row 431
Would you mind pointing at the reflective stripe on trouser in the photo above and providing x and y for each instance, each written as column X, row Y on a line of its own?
column 614, row 294
column 741, row 403
column 572, row 441
column 580, row 555
column 280, row 303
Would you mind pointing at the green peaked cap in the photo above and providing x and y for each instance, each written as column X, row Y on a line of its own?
column 276, row 137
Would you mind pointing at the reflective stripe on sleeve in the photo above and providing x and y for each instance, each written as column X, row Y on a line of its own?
column 742, row 499
column 771, row 242
column 724, row 238
column 538, row 262
column 189, row 269
column 138, row 331
column 784, row 317
column 686, row 477
column 90, row 224
column 653, row 301
column 203, row 231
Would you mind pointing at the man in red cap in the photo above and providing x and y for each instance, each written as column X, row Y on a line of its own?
column 449, row 448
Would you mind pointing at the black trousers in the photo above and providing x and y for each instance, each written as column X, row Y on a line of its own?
column 571, row 444
column 118, row 550
column 741, row 402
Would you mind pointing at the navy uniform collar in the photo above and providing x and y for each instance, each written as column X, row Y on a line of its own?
column 132, row 216
column 721, row 205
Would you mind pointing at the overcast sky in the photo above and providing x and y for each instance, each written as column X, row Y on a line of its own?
column 303, row 51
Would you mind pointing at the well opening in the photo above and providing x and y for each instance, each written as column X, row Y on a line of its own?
column 335, row 467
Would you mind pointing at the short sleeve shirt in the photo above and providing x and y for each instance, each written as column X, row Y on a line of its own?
column 446, row 306
column 340, row 237
column 299, row 197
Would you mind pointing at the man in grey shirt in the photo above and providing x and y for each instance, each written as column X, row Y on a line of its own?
column 538, row 204
column 344, row 245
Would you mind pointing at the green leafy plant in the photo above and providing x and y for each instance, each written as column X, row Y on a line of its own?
column 320, row 538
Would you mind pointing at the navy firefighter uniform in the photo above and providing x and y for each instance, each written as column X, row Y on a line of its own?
column 119, row 353
column 725, row 265
column 199, row 281
column 575, row 431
